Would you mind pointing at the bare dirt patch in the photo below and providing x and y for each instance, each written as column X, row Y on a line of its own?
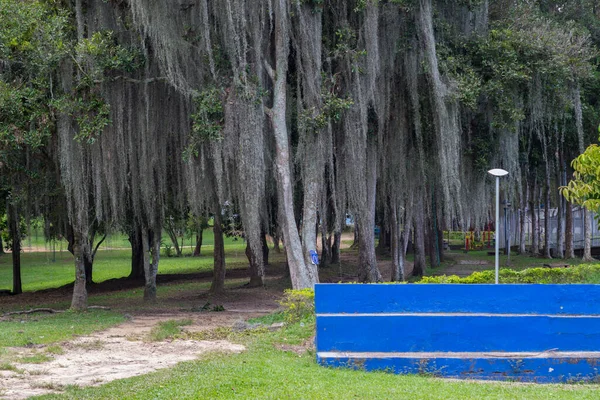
column 125, row 350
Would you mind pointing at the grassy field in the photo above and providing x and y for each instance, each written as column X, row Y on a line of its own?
column 48, row 269
column 28, row 330
column 276, row 364
column 267, row 371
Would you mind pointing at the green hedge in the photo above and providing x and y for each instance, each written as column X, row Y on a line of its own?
column 589, row 273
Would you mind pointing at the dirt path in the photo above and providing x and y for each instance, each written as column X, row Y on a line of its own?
column 124, row 351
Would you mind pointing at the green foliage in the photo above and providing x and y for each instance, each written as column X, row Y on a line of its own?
column 102, row 54
column 4, row 232
column 298, row 305
column 584, row 188
column 588, row 273
column 332, row 110
column 209, row 117
column 207, row 121
column 90, row 111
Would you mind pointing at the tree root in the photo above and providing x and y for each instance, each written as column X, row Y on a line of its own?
column 33, row 310
column 48, row 310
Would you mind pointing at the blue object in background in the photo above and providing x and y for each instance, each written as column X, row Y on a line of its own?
column 377, row 232
column 314, row 257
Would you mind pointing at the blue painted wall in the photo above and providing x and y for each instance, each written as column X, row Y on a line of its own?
column 430, row 298
column 355, row 321
column 408, row 333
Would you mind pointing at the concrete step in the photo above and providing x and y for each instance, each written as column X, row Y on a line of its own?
column 456, row 332
column 542, row 367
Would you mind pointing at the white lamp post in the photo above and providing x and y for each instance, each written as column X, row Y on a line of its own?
column 497, row 172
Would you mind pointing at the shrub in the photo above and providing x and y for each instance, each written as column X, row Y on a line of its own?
column 298, row 304
column 589, row 273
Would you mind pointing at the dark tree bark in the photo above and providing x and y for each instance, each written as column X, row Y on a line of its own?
column 265, row 248
column 1, row 246
column 88, row 264
column 276, row 243
column 522, row 219
column 419, row 222
column 569, row 245
column 535, row 243
column 325, row 245
column 151, row 247
column 395, row 245
column 547, row 219
column 440, row 245
column 560, row 231
column 302, row 275
column 254, row 267
column 218, row 282
column 137, row 254
column 355, row 242
column 587, row 233
column 384, row 238
column 79, row 301
column 335, row 247
column 198, row 248
column 171, row 231
column 88, row 259
column 15, row 235
column 367, row 270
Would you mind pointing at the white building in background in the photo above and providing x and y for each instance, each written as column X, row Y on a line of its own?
column 513, row 227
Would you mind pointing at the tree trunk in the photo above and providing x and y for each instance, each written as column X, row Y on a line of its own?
column 311, row 185
column 522, row 219
column 276, row 244
column 560, row 232
column 79, row 301
column 171, row 231
column 218, row 282
column 560, row 214
column 265, row 248
column 88, row 264
column 335, row 247
column 1, row 246
column 325, row 240
column 198, row 248
column 547, row 232
column 302, row 275
column 569, row 245
column 367, row 270
column 151, row 247
column 137, row 254
column 395, row 245
column 254, row 267
column 535, row 243
column 15, row 235
column 355, row 241
column 419, row 245
column 587, row 232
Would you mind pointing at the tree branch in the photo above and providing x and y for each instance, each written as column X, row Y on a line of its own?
column 269, row 69
column 98, row 245
column 268, row 111
column 133, row 80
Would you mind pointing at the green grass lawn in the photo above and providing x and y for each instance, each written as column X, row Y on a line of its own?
column 32, row 329
column 44, row 270
column 266, row 372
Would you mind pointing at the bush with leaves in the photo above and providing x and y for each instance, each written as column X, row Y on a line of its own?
column 298, row 305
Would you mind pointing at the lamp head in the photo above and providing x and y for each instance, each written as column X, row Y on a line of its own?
column 498, row 172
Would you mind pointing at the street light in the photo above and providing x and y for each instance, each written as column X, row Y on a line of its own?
column 497, row 172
